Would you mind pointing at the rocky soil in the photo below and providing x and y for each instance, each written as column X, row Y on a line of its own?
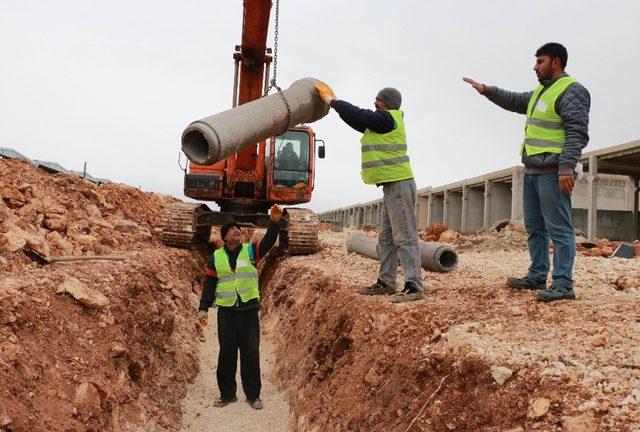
column 501, row 361
column 91, row 345
column 112, row 345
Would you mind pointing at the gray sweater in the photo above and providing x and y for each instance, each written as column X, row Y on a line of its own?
column 573, row 106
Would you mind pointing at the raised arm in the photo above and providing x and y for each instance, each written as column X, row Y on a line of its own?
column 264, row 245
column 511, row 101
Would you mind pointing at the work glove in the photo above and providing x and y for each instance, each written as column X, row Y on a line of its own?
column 325, row 92
column 203, row 316
column 275, row 213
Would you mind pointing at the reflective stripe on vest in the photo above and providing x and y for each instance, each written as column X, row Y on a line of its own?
column 384, row 156
column 243, row 283
column 544, row 129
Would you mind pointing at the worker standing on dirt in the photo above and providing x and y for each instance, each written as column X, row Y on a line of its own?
column 556, row 131
column 231, row 278
column 385, row 163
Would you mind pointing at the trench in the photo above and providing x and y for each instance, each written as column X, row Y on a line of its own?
column 198, row 412
column 363, row 361
column 345, row 362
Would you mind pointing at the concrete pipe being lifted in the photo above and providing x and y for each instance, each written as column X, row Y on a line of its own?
column 217, row 137
column 435, row 257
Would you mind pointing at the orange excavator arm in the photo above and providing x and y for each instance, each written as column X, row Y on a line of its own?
column 251, row 60
column 252, row 55
column 250, row 82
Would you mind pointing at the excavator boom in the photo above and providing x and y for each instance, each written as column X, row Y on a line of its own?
column 253, row 51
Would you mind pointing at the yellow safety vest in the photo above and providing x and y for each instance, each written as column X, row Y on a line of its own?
column 243, row 282
column 544, row 130
column 384, row 156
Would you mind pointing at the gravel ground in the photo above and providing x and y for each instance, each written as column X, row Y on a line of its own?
column 198, row 412
column 507, row 361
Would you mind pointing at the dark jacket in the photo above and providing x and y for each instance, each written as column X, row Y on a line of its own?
column 573, row 106
column 260, row 249
column 379, row 121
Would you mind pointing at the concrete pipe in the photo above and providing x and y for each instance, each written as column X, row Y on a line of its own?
column 435, row 257
column 217, row 137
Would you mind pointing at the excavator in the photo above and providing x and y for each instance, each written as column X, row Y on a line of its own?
column 278, row 170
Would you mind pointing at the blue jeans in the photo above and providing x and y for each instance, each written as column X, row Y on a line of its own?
column 547, row 213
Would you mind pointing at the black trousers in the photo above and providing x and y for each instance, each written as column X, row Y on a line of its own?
column 239, row 331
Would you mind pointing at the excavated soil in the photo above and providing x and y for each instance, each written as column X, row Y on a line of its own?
column 356, row 363
column 114, row 345
column 91, row 345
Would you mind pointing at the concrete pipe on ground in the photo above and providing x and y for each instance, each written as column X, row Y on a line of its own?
column 217, row 137
column 435, row 257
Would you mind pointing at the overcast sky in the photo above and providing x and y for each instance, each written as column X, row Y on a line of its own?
column 114, row 83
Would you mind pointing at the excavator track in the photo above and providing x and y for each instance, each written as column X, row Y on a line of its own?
column 179, row 225
column 301, row 234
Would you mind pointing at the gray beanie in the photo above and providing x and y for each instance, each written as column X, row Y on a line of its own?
column 391, row 97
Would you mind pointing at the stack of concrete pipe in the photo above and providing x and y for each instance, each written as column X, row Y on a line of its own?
column 436, row 257
column 217, row 137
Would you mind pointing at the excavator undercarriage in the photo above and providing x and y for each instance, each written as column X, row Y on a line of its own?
column 188, row 225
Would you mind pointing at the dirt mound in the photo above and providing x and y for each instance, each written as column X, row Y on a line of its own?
column 603, row 248
column 324, row 226
column 91, row 345
column 504, row 361
column 505, row 235
column 433, row 232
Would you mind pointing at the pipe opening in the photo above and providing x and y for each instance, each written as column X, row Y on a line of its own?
column 448, row 259
column 195, row 146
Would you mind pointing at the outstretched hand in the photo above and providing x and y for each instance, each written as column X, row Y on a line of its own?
column 476, row 85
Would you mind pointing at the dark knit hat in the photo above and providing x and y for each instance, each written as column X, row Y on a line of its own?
column 226, row 227
column 391, row 97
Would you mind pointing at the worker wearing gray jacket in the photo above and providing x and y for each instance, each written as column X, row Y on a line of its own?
column 556, row 131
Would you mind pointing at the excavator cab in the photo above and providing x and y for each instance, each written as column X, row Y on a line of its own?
column 291, row 166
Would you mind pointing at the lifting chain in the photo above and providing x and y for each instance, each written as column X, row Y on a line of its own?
column 273, row 83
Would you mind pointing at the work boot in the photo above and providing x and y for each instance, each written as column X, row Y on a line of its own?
column 409, row 293
column 527, row 283
column 378, row 288
column 256, row 404
column 556, row 293
column 220, row 403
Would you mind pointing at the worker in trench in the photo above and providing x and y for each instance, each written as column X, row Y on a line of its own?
column 556, row 131
column 231, row 284
column 385, row 163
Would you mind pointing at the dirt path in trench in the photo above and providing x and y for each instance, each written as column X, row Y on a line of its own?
column 198, row 412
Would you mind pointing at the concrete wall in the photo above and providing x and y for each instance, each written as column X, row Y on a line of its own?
column 454, row 210
column 437, row 209
column 474, row 209
column 612, row 224
column 482, row 201
column 614, row 193
column 423, row 208
column 499, row 201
